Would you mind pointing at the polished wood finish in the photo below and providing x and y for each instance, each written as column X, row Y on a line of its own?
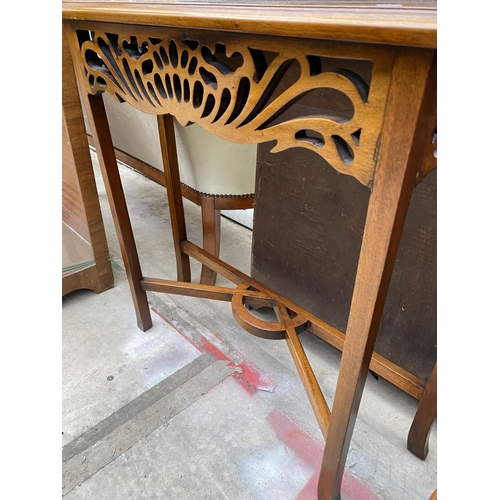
column 418, row 436
column 118, row 204
column 429, row 160
column 211, row 206
column 210, row 217
column 197, row 290
column 174, row 194
column 107, row 160
column 271, row 330
column 360, row 23
column 229, row 272
column 80, row 202
column 313, row 390
column 380, row 365
column 391, row 113
column 225, row 102
column 73, row 208
column 410, row 101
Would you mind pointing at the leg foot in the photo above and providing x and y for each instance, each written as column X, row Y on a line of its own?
column 418, row 436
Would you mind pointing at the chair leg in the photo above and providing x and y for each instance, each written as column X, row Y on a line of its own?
column 211, row 236
column 418, row 436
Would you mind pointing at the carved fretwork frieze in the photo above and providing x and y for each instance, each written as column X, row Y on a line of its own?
column 248, row 89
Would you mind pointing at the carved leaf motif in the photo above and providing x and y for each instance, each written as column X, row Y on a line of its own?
column 237, row 90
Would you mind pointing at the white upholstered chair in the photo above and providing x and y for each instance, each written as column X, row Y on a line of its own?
column 215, row 174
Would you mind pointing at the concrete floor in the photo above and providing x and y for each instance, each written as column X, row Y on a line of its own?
column 196, row 408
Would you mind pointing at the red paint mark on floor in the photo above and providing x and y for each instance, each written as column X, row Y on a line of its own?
column 252, row 378
column 353, row 489
column 310, row 490
column 310, row 451
column 214, row 351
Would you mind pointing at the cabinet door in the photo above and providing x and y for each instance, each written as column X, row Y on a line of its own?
column 85, row 255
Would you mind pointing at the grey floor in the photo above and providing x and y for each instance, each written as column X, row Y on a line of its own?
column 196, row 408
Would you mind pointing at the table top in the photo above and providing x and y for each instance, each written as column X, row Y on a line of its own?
column 396, row 22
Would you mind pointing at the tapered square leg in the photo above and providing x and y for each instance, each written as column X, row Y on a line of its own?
column 174, row 194
column 405, row 132
column 111, row 176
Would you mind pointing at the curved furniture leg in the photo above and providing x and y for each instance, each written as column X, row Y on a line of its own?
column 418, row 436
column 210, row 218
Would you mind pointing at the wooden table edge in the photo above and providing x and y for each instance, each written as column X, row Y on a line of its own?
column 396, row 26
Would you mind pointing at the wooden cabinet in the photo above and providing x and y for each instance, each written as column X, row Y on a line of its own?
column 85, row 255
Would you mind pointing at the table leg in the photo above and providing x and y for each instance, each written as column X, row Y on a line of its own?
column 210, row 218
column 111, row 176
column 418, row 436
column 174, row 194
column 404, row 133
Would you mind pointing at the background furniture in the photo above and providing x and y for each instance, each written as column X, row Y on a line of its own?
column 86, row 261
column 215, row 174
column 327, row 212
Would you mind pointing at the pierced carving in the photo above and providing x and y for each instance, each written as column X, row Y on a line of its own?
column 249, row 89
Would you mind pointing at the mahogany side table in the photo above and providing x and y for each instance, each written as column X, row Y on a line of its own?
column 221, row 65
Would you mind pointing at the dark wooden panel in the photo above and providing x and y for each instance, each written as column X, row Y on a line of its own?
column 307, row 236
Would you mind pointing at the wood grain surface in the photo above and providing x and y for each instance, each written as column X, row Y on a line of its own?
column 413, row 25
